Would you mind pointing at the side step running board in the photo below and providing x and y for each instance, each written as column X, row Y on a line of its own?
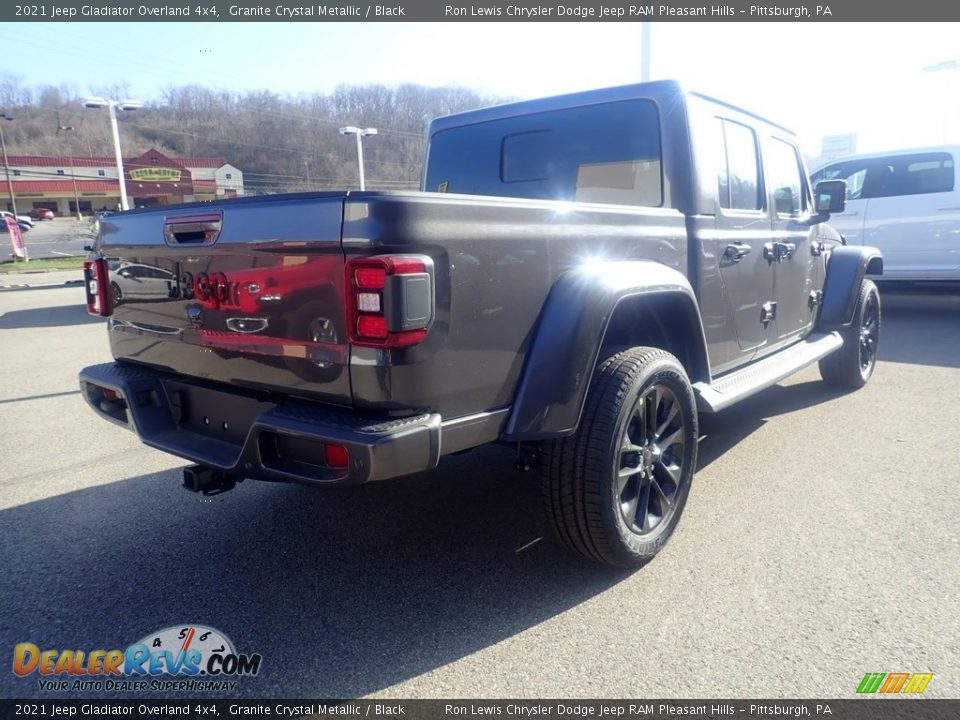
column 730, row 389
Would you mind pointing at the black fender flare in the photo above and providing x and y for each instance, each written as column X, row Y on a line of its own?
column 559, row 364
column 846, row 267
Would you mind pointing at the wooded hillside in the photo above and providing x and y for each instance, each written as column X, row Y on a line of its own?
column 281, row 143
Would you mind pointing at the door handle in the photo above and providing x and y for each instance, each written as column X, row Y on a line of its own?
column 778, row 251
column 193, row 229
column 736, row 252
column 850, row 213
column 948, row 209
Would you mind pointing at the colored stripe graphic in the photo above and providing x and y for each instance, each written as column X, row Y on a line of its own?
column 894, row 682
column 870, row 682
column 918, row 682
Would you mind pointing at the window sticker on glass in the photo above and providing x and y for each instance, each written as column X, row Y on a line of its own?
column 630, row 183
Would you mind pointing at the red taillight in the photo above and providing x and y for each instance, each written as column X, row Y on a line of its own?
column 372, row 326
column 335, row 455
column 96, row 280
column 370, row 278
column 389, row 300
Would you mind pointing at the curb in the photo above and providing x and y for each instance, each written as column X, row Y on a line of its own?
column 27, row 286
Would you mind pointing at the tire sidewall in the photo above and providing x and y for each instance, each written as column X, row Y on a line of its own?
column 668, row 372
column 868, row 292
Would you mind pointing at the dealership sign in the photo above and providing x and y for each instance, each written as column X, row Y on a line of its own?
column 155, row 175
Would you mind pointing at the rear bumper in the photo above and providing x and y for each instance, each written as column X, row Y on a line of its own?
column 247, row 436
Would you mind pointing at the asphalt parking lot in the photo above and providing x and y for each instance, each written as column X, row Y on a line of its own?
column 820, row 542
column 60, row 237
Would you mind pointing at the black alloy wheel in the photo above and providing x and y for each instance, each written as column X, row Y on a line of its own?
column 650, row 467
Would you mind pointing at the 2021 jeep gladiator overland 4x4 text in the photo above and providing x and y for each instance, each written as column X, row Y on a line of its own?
column 582, row 276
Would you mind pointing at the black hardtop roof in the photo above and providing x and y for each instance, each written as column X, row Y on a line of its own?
column 656, row 90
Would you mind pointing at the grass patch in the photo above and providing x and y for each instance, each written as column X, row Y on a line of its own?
column 44, row 265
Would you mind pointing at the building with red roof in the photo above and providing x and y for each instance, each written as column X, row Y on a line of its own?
column 64, row 183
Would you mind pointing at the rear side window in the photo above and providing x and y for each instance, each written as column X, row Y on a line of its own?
column 738, row 177
column 919, row 174
column 914, row 174
column 608, row 153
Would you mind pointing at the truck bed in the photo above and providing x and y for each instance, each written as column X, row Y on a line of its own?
column 262, row 307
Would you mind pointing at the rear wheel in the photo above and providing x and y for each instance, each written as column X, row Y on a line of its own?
column 312, row 323
column 853, row 364
column 615, row 489
column 117, row 294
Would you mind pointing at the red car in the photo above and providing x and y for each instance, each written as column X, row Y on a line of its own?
column 42, row 214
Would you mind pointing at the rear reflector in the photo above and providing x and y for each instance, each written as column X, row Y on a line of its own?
column 336, row 455
column 96, row 279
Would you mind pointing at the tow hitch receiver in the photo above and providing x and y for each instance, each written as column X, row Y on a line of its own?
column 201, row 479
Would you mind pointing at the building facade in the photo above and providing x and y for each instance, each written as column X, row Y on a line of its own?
column 65, row 183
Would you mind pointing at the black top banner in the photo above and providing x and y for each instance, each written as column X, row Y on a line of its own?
column 482, row 11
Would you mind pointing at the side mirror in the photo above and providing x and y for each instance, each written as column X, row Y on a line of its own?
column 830, row 196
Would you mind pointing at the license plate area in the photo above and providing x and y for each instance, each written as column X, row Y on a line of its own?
column 218, row 415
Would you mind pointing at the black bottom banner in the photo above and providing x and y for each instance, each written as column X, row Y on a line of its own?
column 847, row 709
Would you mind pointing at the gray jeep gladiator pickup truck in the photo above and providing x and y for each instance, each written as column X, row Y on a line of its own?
column 580, row 278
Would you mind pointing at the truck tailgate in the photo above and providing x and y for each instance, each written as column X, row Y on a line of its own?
column 248, row 292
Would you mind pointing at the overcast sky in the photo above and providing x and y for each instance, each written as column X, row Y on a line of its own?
column 815, row 78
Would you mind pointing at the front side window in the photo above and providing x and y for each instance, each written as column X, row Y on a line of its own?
column 854, row 172
column 784, row 178
column 893, row 175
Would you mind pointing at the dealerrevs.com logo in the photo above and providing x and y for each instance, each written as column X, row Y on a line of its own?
column 182, row 657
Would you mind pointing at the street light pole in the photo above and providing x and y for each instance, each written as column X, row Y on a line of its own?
column 73, row 171
column 948, row 66
column 360, row 133
column 112, row 105
column 644, row 52
column 6, row 165
column 124, row 203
